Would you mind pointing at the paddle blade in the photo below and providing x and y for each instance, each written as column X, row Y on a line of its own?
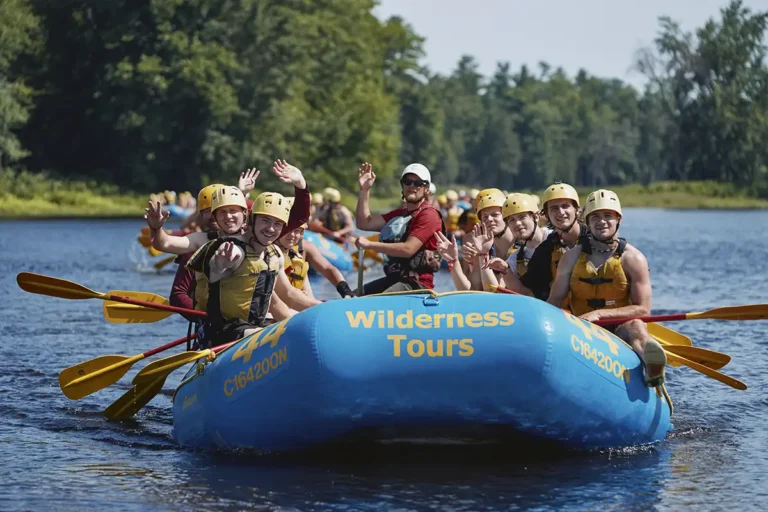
column 709, row 372
column 134, row 399
column 164, row 262
column 667, row 336
column 54, row 287
column 120, row 313
column 167, row 365
column 749, row 312
column 154, row 252
column 708, row 358
column 86, row 378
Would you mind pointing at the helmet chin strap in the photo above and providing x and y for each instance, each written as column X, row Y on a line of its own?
column 609, row 241
column 503, row 232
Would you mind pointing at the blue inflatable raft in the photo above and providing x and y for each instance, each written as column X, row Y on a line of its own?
column 335, row 253
column 456, row 363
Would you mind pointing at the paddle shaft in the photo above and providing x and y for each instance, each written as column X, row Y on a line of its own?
column 166, row 307
column 360, row 271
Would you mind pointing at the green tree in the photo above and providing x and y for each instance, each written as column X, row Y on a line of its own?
column 18, row 35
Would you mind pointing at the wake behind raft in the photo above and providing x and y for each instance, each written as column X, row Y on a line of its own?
column 421, row 360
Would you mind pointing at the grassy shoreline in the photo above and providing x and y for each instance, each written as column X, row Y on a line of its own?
column 28, row 196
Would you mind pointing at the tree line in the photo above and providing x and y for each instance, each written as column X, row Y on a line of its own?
column 156, row 94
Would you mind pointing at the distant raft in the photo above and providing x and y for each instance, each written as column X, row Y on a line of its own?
column 334, row 252
column 462, row 363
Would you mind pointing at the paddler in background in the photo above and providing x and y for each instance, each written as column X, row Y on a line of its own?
column 521, row 215
column 317, row 202
column 406, row 233
column 452, row 213
column 609, row 278
column 245, row 275
column 185, row 282
column 335, row 218
column 299, row 254
column 561, row 208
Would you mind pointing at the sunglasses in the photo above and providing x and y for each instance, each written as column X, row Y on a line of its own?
column 415, row 183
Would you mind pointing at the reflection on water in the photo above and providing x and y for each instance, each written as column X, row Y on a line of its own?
column 63, row 455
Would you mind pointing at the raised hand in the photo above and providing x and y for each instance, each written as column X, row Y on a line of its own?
column 155, row 216
column 289, row 174
column 225, row 255
column 483, row 238
column 247, row 181
column 366, row 176
column 448, row 249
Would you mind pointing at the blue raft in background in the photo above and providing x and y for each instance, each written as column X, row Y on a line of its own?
column 333, row 252
column 455, row 363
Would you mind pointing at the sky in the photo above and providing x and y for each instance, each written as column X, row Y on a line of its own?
column 601, row 36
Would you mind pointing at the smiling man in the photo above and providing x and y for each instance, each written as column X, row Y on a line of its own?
column 609, row 278
column 407, row 233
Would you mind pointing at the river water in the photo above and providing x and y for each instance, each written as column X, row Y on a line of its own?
column 60, row 454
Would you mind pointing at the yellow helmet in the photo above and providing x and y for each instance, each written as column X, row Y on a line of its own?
column 204, row 196
column 473, row 193
column 452, row 195
column 272, row 205
column 487, row 198
column 602, row 200
column 518, row 203
column 227, row 196
column 331, row 194
column 442, row 199
column 317, row 198
column 560, row 191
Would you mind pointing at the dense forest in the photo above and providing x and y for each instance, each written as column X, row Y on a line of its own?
column 155, row 94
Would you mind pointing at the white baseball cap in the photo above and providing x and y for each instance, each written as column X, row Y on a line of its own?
column 419, row 170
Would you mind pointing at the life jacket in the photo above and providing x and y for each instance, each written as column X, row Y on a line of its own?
column 296, row 267
column 245, row 295
column 201, row 281
column 592, row 289
column 452, row 217
column 520, row 259
column 332, row 218
column 559, row 248
column 424, row 261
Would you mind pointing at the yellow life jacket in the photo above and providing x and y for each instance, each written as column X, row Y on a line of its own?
column 520, row 259
column 201, row 281
column 245, row 294
column 592, row 289
column 296, row 267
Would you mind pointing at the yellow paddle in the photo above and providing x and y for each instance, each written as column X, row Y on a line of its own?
column 83, row 379
column 709, row 372
column 667, row 335
column 163, row 262
column 120, row 313
column 679, row 344
column 134, row 399
column 149, row 381
column 55, row 287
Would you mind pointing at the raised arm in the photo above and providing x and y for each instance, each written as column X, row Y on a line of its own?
column 363, row 216
column 293, row 298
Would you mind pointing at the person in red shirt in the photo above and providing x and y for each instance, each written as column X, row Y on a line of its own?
column 407, row 234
